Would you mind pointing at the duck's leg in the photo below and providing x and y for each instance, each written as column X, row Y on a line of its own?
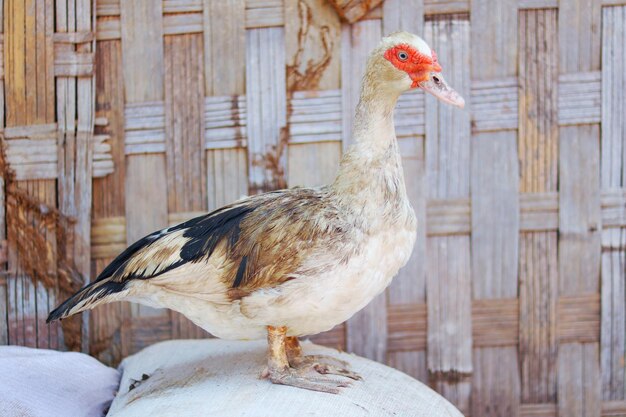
column 323, row 364
column 279, row 371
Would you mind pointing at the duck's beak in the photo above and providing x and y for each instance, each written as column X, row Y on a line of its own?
column 437, row 86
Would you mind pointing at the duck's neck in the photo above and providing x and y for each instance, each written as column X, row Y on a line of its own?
column 373, row 121
column 371, row 168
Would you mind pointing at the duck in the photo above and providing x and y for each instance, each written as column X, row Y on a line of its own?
column 295, row 262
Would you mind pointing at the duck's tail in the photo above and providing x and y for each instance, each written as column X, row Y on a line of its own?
column 89, row 297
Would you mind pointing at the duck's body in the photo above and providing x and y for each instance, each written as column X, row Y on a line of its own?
column 341, row 272
column 293, row 262
column 346, row 256
column 313, row 257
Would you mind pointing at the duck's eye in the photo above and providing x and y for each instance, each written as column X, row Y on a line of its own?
column 403, row 56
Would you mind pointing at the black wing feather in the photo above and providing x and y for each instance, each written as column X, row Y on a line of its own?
column 204, row 234
column 128, row 253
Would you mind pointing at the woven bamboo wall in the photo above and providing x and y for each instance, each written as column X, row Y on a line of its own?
column 514, row 302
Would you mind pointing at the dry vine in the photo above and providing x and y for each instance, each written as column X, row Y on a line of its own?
column 28, row 220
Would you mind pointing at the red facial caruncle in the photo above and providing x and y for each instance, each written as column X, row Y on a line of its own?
column 415, row 63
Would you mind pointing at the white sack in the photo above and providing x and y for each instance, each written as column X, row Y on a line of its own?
column 221, row 378
column 47, row 383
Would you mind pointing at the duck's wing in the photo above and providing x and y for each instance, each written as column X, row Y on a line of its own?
column 258, row 242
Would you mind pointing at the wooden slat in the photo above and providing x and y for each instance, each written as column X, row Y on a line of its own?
column 225, row 121
column 71, row 64
column 447, row 175
column 448, row 216
column 494, row 104
column 495, row 382
column 581, row 51
column 103, row 164
column 184, row 123
column 32, row 151
column 145, row 128
column 539, row 211
column 185, row 140
column 537, row 147
column 495, row 323
column 613, row 408
column 538, row 410
column 221, row 189
column 108, row 8
column 579, row 318
column 495, row 215
column 407, row 327
column 143, row 65
column 108, row 236
column 314, row 119
column 108, row 28
column 495, row 222
column 224, row 75
column 403, row 15
column 613, row 205
column 538, row 4
column 224, row 47
column 448, row 285
column 435, row 7
column 579, row 210
column 612, row 175
column 613, row 314
column 183, row 23
column 108, row 197
column 266, row 109
column 579, row 380
column 74, row 59
column 28, row 53
column 29, row 100
column 609, row 409
column 182, row 6
column 579, row 98
column 264, row 14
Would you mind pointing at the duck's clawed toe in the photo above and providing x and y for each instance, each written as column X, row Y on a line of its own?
column 322, row 364
column 331, row 360
column 324, row 369
column 306, row 378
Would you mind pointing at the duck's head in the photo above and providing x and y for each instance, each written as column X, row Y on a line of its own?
column 404, row 61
